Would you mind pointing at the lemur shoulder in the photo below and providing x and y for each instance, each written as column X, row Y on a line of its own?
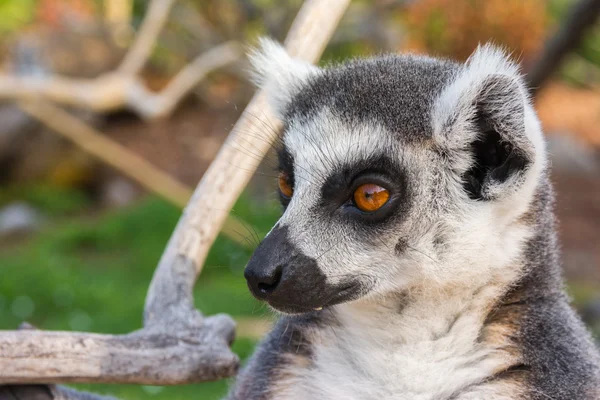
column 416, row 257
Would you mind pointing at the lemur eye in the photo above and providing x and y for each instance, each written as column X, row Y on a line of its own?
column 370, row 197
column 285, row 185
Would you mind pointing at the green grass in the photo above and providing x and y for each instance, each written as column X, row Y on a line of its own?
column 52, row 200
column 92, row 275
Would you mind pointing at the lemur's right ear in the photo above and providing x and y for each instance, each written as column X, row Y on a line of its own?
column 280, row 75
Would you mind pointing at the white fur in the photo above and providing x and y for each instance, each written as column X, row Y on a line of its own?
column 458, row 96
column 278, row 73
column 423, row 354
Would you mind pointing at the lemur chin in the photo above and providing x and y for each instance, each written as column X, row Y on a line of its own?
column 416, row 257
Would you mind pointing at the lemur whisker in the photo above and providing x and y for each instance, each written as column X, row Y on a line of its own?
column 263, row 174
column 251, row 243
column 254, row 151
column 251, row 229
column 247, row 152
column 317, row 179
column 235, row 215
column 284, row 331
column 326, row 251
column 266, row 124
column 273, row 140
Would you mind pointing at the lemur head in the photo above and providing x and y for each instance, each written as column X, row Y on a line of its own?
column 396, row 173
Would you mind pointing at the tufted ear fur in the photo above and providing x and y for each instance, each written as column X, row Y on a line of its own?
column 278, row 73
column 482, row 120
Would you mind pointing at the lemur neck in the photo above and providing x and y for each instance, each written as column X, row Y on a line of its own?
column 419, row 316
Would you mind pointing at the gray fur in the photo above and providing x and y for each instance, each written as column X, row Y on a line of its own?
column 460, row 293
column 394, row 91
column 288, row 337
column 560, row 358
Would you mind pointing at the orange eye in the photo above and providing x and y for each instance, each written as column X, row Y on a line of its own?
column 370, row 197
column 285, row 186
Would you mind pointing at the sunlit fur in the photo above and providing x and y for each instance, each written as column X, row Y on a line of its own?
column 433, row 321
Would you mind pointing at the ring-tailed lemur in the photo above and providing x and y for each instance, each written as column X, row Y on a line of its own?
column 416, row 257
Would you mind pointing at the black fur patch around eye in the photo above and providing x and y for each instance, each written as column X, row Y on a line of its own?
column 286, row 160
column 337, row 190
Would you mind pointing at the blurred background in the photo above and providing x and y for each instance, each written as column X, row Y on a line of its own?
column 81, row 228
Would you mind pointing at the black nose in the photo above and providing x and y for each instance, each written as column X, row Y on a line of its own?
column 263, row 282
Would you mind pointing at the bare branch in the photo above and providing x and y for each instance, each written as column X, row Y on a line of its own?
column 150, row 105
column 177, row 344
column 149, row 356
column 138, row 54
column 115, row 91
column 580, row 18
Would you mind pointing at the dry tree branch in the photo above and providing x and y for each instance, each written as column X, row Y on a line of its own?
column 149, row 356
column 177, row 344
column 115, row 90
column 150, row 105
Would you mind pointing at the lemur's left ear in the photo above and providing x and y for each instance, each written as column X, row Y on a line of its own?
column 279, row 74
column 484, row 123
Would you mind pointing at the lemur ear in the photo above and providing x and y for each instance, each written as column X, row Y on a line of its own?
column 279, row 74
column 481, row 121
column 500, row 152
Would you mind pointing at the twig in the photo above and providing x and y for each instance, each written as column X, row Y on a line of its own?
column 123, row 88
column 110, row 152
column 150, row 105
column 154, row 21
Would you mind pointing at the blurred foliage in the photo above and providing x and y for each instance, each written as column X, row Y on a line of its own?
column 249, row 18
column 453, row 28
column 15, row 14
column 582, row 67
column 48, row 199
column 93, row 274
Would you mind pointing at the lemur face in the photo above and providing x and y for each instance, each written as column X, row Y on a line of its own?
column 391, row 170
